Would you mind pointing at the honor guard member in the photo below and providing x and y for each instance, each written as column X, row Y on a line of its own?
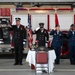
column 19, row 36
column 42, row 36
column 71, row 44
column 57, row 42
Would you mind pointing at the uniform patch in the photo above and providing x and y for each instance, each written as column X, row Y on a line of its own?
column 21, row 28
column 54, row 33
column 59, row 34
column 44, row 31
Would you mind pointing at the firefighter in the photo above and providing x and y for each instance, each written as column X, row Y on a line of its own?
column 42, row 36
column 71, row 44
column 19, row 36
column 57, row 42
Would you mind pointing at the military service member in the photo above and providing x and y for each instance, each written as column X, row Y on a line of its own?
column 57, row 42
column 71, row 44
column 41, row 35
column 19, row 35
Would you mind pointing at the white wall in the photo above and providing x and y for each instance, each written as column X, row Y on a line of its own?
column 65, row 20
column 24, row 19
column 37, row 18
column 52, row 21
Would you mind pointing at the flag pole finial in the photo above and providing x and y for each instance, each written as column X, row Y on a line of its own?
column 55, row 10
column 28, row 10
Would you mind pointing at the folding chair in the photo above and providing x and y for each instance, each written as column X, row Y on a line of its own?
column 42, row 58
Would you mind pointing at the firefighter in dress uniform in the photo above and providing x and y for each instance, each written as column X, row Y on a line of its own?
column 57, row 42
column 19, row 36
column 42, row 36
column 71, row 44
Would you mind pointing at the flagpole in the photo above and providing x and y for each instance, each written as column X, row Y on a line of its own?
column 32, row 66
column 55, row 10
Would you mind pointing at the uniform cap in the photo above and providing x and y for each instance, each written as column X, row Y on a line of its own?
column 41, row 24
column 72, row 25
column 17, row 19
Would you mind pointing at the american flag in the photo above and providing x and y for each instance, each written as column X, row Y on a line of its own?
column 30, row 36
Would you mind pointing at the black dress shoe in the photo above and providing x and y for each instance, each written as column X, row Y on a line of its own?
column 44, row 71
column 20, row 64
column 15, row 63
column 57, row 63
column 72, row 63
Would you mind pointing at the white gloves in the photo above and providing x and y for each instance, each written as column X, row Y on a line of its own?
column 46, row 44
column 24, row 42
column 37, row 28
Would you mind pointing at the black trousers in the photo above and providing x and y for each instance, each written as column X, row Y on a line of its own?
column 18, row 52
column 72, row 54
column 41, row 43
column 57, row 51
